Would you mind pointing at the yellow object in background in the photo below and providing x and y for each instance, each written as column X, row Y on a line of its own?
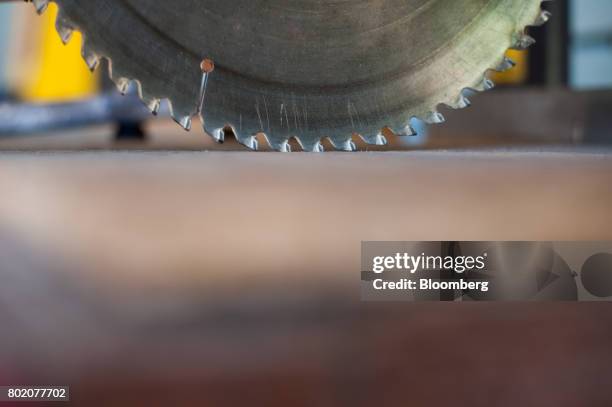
column 56, row 72
column 59, row 73
column 517, row 75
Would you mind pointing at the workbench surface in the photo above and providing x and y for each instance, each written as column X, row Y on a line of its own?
column 233, row 269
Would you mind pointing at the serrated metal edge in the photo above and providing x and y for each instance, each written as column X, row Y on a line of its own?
column 522, row 41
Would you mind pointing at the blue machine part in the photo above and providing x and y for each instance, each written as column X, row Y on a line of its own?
column 6, row 11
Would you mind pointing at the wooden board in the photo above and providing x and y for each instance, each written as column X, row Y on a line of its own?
column 123, row 271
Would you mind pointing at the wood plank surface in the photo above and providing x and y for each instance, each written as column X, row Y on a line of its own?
column 175, row 272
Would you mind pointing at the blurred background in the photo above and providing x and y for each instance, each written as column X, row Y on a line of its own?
column 145, row 271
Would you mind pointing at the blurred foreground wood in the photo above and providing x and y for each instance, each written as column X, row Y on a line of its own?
column 225, row 278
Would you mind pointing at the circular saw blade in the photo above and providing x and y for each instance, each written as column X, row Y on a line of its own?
column 308, row 69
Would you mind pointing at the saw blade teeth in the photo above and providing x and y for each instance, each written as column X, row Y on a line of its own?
column 91, row 59
column 516, row 37
column 153, row 105
column 123, row 85
column 315, row 146
column 218, row 135
column 406, row 131
column 505, row 65
column 542, row 18
column 462, row 102
column 65, row 34
column 485, row 84
column 523, row 42
column 40, row 5
column 151, row 102
column 250, row 142
column 434, row 118
column 319, row 148
column 64, row 27
column 350, row 146
column 184, row 122
column 376, row 140
column 488, row 84
column 183, row 116
column 343, row 143
column 281, row 145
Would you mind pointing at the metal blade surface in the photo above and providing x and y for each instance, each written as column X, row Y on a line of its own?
column 307, row 69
